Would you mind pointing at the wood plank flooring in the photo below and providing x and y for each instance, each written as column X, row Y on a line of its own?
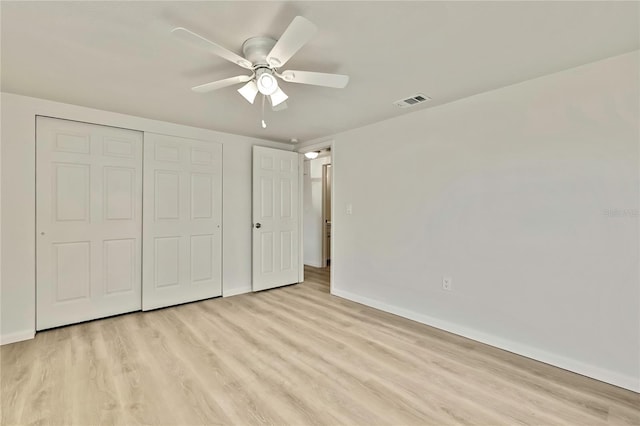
column 295, row 355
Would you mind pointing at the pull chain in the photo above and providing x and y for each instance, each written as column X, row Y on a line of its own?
column 264, row 125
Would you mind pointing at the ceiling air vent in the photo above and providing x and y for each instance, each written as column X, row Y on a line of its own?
column 412, row 101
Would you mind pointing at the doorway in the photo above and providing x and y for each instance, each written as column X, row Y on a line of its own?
column 317, row 217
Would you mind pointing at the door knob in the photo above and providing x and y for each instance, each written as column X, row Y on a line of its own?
column 258, row 225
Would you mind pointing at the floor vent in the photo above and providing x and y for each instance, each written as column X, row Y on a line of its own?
column 412, row 101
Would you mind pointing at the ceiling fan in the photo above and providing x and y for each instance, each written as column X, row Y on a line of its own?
column 263, row 56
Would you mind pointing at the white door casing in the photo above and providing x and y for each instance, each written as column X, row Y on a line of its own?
column 275, row 218
column 182, row 223
column 88, row 221
column 326, row 214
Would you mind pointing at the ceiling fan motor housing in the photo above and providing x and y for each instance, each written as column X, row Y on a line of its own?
column 256, row 49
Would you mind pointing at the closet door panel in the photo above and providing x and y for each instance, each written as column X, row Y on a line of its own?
column 182, row 260
column 88, row 221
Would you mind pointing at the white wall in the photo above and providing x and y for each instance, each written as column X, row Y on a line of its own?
column 312, row 207
column 527, row 196
column 18, row 200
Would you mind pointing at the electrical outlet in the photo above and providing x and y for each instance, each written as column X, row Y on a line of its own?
column 349, row 208
column 447, row 283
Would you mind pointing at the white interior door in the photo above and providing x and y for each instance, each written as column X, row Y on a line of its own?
column 182, row 259
column 88, row 221
column 275, row 218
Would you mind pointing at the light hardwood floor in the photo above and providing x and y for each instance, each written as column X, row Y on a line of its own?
column 294, row 355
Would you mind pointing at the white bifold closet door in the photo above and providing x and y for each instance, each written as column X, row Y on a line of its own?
column 88, row 221
column 182, row 260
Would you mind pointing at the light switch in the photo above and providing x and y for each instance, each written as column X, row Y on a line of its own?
column 349, row 208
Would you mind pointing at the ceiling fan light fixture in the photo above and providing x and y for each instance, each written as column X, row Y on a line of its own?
column 249, row 91
column 267, row 83
column 312, row 155
column 278, row 97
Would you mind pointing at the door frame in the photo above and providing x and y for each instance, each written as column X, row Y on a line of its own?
column 300, row 216
column 327, row 170
column 327, row 143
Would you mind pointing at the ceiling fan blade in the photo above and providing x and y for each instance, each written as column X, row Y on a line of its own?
column 216, row 49
column 337, row 81
column 215, row 85
column 297, row 34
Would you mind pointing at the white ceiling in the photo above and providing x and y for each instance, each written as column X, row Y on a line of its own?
column 120, row 56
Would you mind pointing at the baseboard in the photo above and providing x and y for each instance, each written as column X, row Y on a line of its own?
column 315, row 265
column 604, row 375
column 18, row 336
column 236, row 291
